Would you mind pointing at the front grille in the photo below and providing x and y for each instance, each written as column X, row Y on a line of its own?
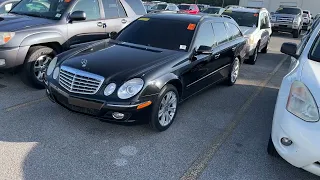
column 285, row 19
column 78, row 81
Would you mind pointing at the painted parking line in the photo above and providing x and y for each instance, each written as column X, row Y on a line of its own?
column 199, row 165
column 25, row 104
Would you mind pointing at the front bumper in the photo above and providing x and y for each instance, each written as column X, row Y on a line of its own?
column 285, row 27
column 98, row 108
column 304, row 152
column 12, row 57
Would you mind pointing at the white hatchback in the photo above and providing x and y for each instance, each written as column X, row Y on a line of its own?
column 296, row 128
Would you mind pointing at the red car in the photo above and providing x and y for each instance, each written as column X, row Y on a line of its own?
column 189, row 8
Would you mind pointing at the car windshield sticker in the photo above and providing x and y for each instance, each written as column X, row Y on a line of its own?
column 58, row 15
column 191, row 27
column 183, row 47
column 255, row 15
column 67, row 1
column 144, row 19
column 228, row 11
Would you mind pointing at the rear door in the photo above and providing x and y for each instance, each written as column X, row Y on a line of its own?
column 225, row 46
column 236, row 41
column 115, row 16
column 92, row 28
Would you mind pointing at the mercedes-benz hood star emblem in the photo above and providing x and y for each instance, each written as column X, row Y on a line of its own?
column 84, row 62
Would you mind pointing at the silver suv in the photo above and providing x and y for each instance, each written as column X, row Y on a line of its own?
column 256, row 27
column 34, row 31
column 288, row 19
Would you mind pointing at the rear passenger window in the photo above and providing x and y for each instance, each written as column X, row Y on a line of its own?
column 205, row 36
column 137, row 6
column 90, row 7
column 234, row 31
column 220, row 32
column 113, row 9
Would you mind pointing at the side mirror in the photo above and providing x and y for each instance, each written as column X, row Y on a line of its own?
column 204, row 50
column 290, row 49
column 78, row 16
column 113, row 35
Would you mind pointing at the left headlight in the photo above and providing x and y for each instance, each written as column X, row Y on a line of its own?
column 301, row 103
column 130, row 88
column 6, row 37
column 251, row 39
column 296, row 21
column 51, row 66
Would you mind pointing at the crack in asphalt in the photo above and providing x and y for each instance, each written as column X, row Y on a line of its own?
column 25, row 104
column 200, row 164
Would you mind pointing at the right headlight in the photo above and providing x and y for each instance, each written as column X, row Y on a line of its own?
column 51, row 66
column 6, row 37
column 130, row 88
column 301, row 103
column 296, row 21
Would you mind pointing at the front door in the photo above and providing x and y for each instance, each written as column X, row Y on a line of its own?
column 265, row 29
column 91, row 29
column 202, row 71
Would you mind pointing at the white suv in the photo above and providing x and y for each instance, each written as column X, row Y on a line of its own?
column 256, row 27
column 296, row 127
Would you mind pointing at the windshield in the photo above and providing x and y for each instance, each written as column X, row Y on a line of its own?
column 212, row 10
column 184, row 7
column 244, row 18
column 159, row 7
column 294, row 11
column 159, row 33
column 50, row 9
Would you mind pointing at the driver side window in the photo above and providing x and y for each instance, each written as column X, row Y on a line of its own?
column 90, row 7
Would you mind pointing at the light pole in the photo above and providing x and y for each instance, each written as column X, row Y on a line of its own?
column 222, row 3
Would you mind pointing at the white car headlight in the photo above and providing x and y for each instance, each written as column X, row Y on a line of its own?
column 296, row 21
column 250, row 39
column 273, row 19
column 301, row 103
column 130, row 88
column 109, row 89
column 6, row 37
column 51, row 66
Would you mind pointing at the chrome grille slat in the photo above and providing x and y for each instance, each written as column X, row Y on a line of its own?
column 78, row 81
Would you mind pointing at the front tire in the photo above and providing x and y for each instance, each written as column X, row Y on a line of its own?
column 296, row 33
column 233, row 72
column 165, row 108
column 34, row 68
column 253, row 59
column 271, row 149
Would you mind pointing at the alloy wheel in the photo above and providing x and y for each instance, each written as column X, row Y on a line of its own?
column 167, row 108
column 235, row 70
column 40, row 66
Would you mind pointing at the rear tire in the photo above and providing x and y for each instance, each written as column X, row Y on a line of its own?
column 233, row 72
column 169, row 110
column 36, row 63
column 271, row 149
column 296, row 33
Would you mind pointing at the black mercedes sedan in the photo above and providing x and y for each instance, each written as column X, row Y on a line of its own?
column 145, row 70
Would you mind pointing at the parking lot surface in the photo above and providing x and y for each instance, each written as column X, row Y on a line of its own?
column 221, row 133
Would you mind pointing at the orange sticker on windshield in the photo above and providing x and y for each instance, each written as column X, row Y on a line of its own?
column 67, row 1
column 191, row 27
column 256, row 15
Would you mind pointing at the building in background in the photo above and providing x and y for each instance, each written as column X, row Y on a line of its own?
column 273, row 5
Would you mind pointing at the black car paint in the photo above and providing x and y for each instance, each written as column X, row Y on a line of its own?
column 118, row 62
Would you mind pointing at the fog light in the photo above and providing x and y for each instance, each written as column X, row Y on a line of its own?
column 286, row 141
column 117, row 115
column 2, row 62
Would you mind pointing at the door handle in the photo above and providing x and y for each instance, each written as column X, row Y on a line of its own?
column 216, row 56
column 234, row 48
column 124, row 21
column 99, row 24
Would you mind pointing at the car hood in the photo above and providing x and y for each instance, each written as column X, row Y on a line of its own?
column 12, row 22
column 310, row 76
column 247, row 30
column 112, row 58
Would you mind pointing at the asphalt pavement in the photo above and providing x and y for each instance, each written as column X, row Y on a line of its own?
column 221, row 133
